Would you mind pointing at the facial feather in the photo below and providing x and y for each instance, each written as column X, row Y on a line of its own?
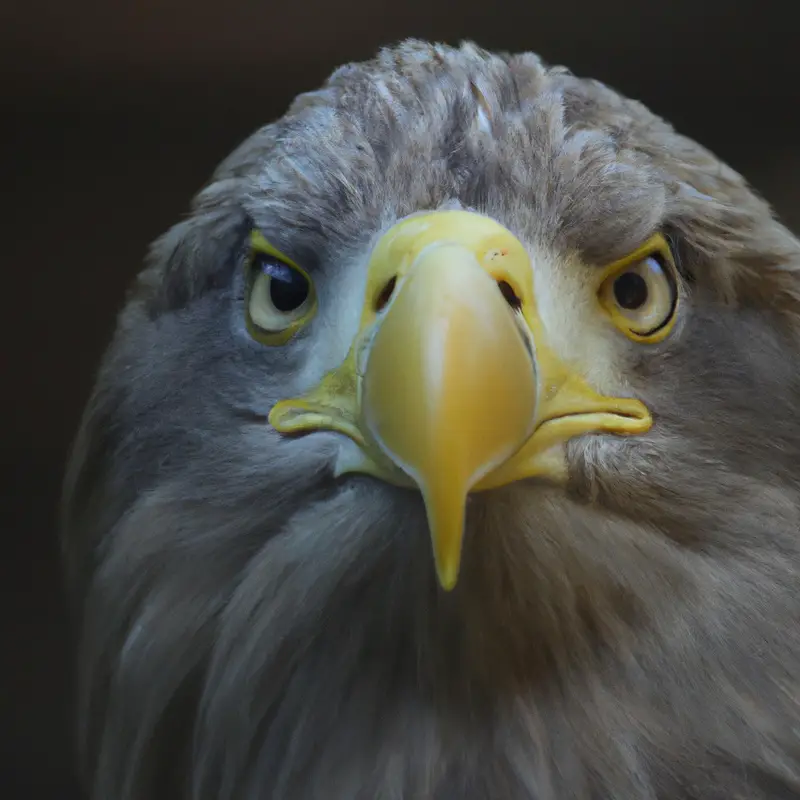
column 251, row 627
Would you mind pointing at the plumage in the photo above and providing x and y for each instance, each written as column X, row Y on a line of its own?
column 252, row 626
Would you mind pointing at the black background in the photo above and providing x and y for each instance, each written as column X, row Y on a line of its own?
column 114, row 113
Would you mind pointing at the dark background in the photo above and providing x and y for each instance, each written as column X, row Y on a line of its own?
column 114, row 113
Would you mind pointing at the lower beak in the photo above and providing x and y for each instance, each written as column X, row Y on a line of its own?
column 452, row 383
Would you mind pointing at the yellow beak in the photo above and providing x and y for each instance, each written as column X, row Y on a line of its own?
column 450, row 384
column 449, row 392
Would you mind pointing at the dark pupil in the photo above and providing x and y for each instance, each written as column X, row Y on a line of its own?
column 630, row 290
column 288, row 288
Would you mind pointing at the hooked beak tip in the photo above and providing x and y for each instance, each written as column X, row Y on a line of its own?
column 448, row 578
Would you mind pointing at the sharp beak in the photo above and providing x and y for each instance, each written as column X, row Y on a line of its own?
column 450, row 384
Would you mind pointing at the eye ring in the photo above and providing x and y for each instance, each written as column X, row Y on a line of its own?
column 280, row 297
column 640, row 294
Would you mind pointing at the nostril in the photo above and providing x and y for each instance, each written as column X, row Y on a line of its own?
column 510, row 296
column 385, row 294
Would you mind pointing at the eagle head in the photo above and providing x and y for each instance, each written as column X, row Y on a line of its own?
column 448, row 448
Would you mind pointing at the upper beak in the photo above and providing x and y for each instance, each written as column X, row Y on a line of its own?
column 452, row 383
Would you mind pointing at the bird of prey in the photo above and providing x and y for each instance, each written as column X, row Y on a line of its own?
column 448, row 450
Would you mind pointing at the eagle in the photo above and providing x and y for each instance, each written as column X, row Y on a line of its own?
column 448, row 449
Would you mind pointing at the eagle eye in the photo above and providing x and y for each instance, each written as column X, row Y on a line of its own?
column 280, row 295
column 640, row 294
